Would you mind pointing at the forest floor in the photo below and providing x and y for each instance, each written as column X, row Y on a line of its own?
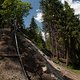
column 65, row 71
column 10, row 69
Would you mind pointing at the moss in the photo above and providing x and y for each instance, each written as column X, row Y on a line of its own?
column 56, row 61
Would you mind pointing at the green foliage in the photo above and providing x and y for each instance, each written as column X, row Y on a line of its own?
column 34, row 34
column 63, row 27
column 40, row 41
column 12, row 9
column 56, row 61
column 33, row 30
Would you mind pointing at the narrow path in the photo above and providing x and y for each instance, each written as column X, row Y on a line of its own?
column 33, row 59
column 65, row 72
column 32, row 49
column 59, row 72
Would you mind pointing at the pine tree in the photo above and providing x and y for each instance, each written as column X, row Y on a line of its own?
column 63, row 27
column 52, row 10
column 33, row 30
column 35, row 35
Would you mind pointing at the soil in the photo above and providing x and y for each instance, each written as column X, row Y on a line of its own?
column 10, row 69
column 65, row 72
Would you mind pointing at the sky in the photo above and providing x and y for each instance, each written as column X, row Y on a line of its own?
column 35, row 11
column 75, row 4
column 38, row 14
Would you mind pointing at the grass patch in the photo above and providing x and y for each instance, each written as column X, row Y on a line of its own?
column 56, row 61
column 74, row 70
column 77, row 71
column 60, row 63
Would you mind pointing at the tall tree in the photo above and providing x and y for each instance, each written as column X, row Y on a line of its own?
column 63, row 27
column 69, row 31
column 52, row 10
column 14, row 9
column 33, row 29
column 35, row 35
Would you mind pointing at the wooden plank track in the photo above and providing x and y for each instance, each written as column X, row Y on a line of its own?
column 10, row 67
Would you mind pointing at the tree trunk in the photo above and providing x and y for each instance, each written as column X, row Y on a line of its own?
column 56, row 48
column 51, row 39
column 67, row 57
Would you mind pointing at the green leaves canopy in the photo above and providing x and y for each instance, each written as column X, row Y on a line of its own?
column 63, row 27
column 11, row 9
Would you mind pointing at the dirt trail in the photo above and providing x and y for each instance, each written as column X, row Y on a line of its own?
column 65, row 72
